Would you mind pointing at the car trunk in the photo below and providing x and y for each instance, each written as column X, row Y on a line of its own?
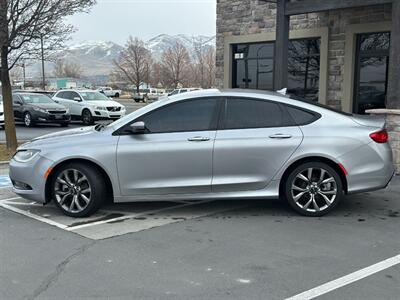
column 370, row 121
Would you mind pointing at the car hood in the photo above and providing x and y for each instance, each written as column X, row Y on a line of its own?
column 54, row 106
column 66, row 133
column 104, row 103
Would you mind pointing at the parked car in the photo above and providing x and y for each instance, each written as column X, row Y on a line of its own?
column 145, row 94
column 32, row 108
column 180, row 91
column 109, row 92
column 89, row 105
column 43, row 92
column 1, row 112
column 210, row 144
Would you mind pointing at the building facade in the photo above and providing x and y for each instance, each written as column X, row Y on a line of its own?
column 339, row 57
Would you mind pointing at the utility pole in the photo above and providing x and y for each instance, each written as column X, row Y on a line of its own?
column 23, row 73
column 43, row 76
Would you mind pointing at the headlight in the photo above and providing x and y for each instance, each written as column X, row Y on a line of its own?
column 123, row 108
column 40, row 109
column 25, row 155
column 101, row 108
column 67, row 110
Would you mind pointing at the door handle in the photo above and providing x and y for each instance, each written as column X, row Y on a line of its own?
column 280, row 136
column 198, row 139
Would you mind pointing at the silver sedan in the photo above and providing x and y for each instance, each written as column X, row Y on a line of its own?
column 210, row 144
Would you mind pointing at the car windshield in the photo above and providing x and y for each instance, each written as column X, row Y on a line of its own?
column 93, row 96
column 36, row 98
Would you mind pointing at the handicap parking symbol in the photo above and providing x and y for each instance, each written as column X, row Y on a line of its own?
column 5, row 181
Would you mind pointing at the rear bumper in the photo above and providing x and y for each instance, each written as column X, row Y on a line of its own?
column 369, row 167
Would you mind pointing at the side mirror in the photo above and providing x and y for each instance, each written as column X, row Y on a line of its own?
column 137, row 127
column 18, row 103
column 77, row 99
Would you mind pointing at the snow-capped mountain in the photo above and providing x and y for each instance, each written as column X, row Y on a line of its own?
column 96, row 57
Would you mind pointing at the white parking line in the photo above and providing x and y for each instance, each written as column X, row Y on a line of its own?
column 30, row 215
column 348, row 279
column 130, row 216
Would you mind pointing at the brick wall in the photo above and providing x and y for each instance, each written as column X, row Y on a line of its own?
column 255, row 16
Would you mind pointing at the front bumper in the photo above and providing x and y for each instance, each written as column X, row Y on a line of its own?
column 32, row 174
column 108, row 115
column 40, row 117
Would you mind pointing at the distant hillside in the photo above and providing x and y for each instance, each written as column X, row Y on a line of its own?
column 96, row 57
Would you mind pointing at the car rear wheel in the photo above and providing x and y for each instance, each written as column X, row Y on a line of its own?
column 28, row 122
column 78, row 190
column 87, row 117
column 313, row 189
column 116, row 95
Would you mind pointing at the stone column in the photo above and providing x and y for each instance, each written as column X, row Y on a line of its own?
column 392, row 117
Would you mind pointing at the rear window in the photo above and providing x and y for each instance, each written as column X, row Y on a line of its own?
column 320, row 105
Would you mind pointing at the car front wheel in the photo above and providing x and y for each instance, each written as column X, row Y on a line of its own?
column 313, row 189
column 87, row 117
column 28, row 119
column 78, row 190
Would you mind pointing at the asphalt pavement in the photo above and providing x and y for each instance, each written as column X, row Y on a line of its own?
column 26, row 134
column 243, row 250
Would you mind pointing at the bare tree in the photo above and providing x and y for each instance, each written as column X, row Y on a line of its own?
column 209, row 62
column 23, row 25
column 175, row 62
column 63, row 68
column 134, row 62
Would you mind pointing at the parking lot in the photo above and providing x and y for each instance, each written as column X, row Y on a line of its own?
column 26, row 134
column 201, row 250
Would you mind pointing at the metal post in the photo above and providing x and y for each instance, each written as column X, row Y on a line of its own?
column 43, row 76
column 281, row 46
column 23, row 73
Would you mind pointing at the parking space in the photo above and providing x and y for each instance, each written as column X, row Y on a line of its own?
column 115, row 219
column 204, row 250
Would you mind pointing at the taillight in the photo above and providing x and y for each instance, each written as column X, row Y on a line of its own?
column 380, row 137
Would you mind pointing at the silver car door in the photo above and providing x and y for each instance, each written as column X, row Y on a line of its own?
column 252, row 145
column 174, row 154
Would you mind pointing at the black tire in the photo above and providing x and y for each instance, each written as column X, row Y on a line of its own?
column 136, row 100
column 87, row 117
column 300, row 193
column 64, row 124
column 96, row 185
column 116, row 95
column 28, row 121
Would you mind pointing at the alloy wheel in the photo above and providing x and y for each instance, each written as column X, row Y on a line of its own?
column 72, row 190
column 27, row 120
column 314, row 189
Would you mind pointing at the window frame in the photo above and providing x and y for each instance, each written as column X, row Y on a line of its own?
column 214, row 119
column 285, row 114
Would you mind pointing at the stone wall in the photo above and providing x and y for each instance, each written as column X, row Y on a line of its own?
column 242, row 17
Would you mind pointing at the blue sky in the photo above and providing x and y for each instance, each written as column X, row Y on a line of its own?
column 115, row 20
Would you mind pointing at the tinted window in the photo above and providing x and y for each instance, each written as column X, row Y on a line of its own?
column 248, row 113
column 62, row 95
column 301, row 117
column 193, row 115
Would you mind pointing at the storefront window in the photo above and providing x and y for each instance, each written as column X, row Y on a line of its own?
column 303, row 67
column 253, row 66
column 371, row 71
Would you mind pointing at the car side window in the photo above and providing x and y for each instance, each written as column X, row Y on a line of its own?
column 242, row 113
column 62, row 95
column 191, row 115
column 16, row 99
column 300, row 116
column 74, row 95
